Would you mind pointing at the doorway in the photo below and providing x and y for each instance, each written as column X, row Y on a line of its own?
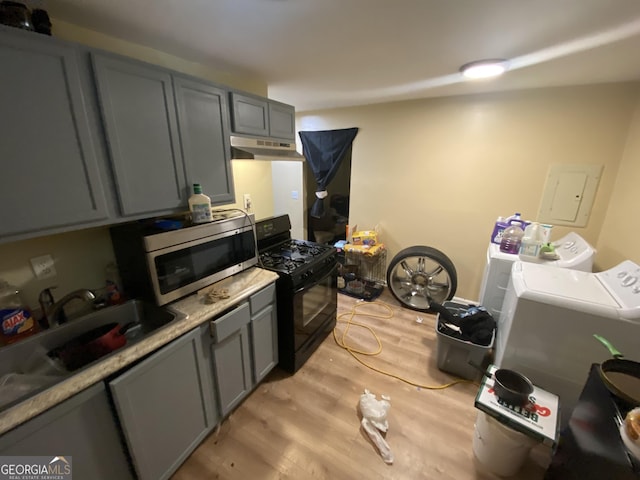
column 331, row 227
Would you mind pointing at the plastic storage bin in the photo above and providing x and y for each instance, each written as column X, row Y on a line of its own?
column 454, row 354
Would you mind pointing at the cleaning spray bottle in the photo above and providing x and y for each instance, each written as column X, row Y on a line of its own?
column 16, row 317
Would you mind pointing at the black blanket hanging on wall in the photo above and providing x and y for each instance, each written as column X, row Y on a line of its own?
column 324, row 150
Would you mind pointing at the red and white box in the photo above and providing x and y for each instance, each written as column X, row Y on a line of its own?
column 538, row 420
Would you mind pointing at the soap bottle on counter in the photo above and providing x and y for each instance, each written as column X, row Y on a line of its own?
column 199, row 205
column 16, row 318
column 512, row 238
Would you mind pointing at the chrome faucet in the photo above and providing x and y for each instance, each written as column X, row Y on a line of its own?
column 53, row 311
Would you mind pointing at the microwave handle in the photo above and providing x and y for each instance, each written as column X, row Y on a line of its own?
column 306, row 287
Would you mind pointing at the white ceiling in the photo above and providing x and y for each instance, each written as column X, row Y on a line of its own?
column 328, row 53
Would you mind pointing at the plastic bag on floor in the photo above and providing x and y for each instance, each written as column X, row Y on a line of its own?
column 374, row 421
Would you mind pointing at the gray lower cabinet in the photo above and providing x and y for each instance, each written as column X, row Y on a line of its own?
column 138, row 111
column 251, row 115
column 166, row 405
column 231, row 355
column 83, row 428
column 244, row 347
column 203, row 120
column 264, row 332
column 50, row 173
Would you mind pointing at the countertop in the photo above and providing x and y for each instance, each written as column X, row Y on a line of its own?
column 239, row 287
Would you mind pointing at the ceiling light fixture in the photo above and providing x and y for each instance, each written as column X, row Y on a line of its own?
column 484, row 69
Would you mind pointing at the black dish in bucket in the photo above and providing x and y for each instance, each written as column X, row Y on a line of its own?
column 510, row 386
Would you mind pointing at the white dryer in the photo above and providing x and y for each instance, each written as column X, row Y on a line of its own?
column 573, row 250
column 549, row 318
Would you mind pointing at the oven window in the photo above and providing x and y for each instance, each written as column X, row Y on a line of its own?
column 183, row 267
column 313, row 307
column 314, row 301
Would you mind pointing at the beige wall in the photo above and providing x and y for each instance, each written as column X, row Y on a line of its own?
column 81, row 257
column 438, row 172
column 618, row 239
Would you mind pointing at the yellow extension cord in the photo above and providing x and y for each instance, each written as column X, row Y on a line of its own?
column 355, row 352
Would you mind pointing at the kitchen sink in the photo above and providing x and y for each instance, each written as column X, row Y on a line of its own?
column 26, row 367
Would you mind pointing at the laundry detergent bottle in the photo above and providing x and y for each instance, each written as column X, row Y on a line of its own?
column 512, row 238
column 532, row 241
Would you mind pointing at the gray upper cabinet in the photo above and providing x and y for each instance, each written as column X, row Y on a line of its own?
column 282, row 120
column 166, row 405
column 203, row 119
column 49, row 167
column 139, row 117
column 82, row 427
column 249, row 115
column 262, row 117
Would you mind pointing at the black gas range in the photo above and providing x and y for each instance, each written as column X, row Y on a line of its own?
column 307, row 294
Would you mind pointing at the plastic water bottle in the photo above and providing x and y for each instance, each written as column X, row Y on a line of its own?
column 502, row 224
column 512, row 238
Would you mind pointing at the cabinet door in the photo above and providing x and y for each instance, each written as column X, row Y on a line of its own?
column 232, row 365
column 282, row 121
column 249, row 115
column 204, row 137
column 264, row 336
column 50, row 175
column 139, row 117
column 84, row 428
column 165, row 406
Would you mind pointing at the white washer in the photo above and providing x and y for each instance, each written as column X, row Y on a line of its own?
column 549, row 318
column 574, row 253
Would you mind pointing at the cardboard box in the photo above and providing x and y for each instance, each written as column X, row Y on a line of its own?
column 364, row 237
column 539, row 420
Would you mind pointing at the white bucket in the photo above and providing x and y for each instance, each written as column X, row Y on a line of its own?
column 499, row 448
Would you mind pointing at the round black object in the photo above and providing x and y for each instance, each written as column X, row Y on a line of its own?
column 41, row 21
column 420, row 275
column 512, row 387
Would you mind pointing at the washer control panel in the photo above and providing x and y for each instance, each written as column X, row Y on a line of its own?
column 574, row 252
column 623, row 283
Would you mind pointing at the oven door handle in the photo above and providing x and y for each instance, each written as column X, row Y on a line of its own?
column 317, row 282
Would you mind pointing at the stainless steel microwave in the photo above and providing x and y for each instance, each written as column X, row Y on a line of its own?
column 167, row 265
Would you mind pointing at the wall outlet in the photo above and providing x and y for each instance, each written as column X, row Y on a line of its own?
column 247, row 201
column 43, row 267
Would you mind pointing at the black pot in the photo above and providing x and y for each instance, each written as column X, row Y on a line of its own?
column 15, row 14
column 510, row 386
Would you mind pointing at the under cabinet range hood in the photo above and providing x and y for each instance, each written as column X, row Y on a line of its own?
column 250, row 148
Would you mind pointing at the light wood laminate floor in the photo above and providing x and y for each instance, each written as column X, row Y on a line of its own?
column 307, row 426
